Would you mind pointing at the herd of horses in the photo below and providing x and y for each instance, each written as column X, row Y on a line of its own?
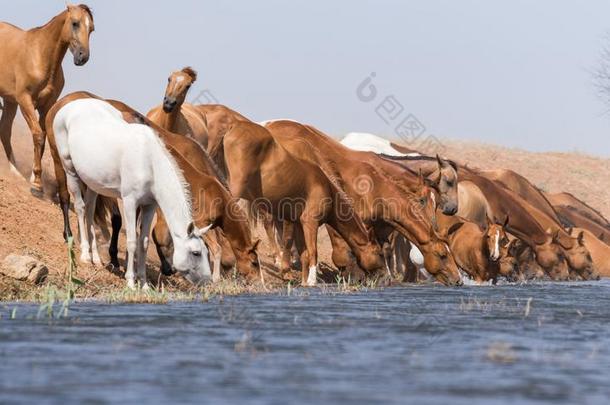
column 209, row 175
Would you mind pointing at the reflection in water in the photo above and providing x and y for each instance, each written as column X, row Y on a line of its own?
column 422, row 344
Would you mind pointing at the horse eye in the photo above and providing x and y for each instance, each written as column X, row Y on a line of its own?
column 196, row 253
column 188, row 87
column 75, row 24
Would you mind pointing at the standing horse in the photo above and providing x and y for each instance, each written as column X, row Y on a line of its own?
column 32, row 78
column 295, row 192
column 383, row 193
column 95, row 147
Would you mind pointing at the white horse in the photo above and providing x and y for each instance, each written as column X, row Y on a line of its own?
column 99, row 149
column 372, row 143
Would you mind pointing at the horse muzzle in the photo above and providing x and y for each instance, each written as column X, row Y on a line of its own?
column 81, row 57
column 169, row 104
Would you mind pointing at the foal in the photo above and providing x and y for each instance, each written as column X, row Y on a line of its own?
column 93, row 145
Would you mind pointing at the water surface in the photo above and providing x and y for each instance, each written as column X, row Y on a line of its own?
column 421, row 344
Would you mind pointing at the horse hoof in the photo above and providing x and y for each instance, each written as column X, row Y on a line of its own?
column 36, row 191
column 131, row 284
column 145, row 287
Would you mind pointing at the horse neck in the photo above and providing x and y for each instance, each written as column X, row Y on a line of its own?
column 235, row 228
column 170, row 192
column 49, row 43
column 168, row 120
column 348, row 225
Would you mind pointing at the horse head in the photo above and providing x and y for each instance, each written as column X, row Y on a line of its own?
column 446, row 181
column 77, row 29
column 495, row 237
column 550, row 256
column 178, row 84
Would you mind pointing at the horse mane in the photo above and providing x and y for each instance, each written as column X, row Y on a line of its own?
column 192, row 73
column 417, row 158
column 186, row 188
column 87, row 9
column 584, row 213
column 141, row 119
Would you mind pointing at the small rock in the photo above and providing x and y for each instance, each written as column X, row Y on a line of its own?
column 24, row 268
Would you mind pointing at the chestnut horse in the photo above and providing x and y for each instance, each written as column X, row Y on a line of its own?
column 177, row 116
column 32, row 78
column 295, row 192
column 476, row 252
column 523, row 188
column 442, row 172
column 383, row 193
column 568, row 200
column 571, row 217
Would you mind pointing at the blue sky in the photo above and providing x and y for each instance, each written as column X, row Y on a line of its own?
column 514, row 73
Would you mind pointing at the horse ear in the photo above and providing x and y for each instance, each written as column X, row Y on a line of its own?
column 580, row 238
column 570, row 230
column 454, row 228
column 439, row 160
column 255, row 245
column 556, row 235
column 192, row 73
column 190, row 229
column 422, row 182
column 203, row 231
column 371, row 233
column 602, row 236
column 488, row 222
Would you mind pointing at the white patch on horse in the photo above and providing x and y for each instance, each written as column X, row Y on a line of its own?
column 312, row 276
column 433, row 199
column 496, row 254
column 365, row 142
column 267, row 122
column 87, row 23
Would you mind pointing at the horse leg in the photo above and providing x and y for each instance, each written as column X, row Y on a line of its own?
column 90, row 202
column 74, row 185
column 28, row 110
column 310, row 265
column 147, row 212
column 211, row 240
column 269, row 225
column 287, row 242
column 113, row 248
column 131, row 219
column 6, row 126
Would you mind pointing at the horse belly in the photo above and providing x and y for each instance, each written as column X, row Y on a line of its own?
column 97, row 163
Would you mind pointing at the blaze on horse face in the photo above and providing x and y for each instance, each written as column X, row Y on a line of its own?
column 496, row 238
column 77, row 29
column 178, row 85
column 446, row 183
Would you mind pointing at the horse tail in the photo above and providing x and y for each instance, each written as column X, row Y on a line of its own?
column 104, row 208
